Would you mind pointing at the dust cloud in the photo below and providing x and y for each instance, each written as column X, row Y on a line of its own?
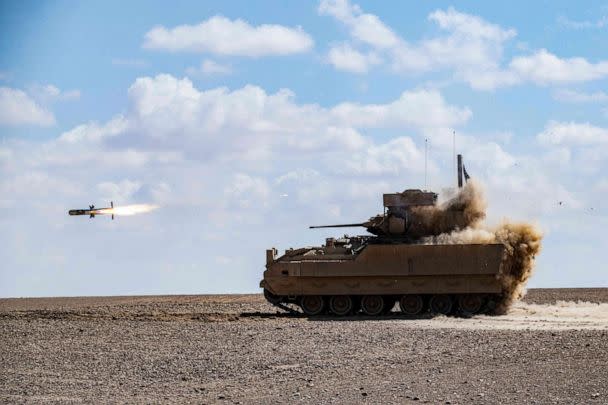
column 460, row 221
column 466, row 209
column 558, row 316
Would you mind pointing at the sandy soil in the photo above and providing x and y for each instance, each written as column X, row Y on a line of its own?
column 550, row 348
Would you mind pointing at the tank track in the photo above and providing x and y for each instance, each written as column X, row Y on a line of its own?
column 488, row 308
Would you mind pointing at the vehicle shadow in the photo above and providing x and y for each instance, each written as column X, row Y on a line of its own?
column 333, row 318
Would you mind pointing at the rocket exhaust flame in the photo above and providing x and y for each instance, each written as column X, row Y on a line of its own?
column 128, row 210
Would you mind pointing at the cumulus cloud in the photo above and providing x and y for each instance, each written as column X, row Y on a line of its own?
column 544, row 67
column 244, row 190
column 468, row 46
column 35, row 183
column 366, row 28
column 470, row 25
column 118, row 191
column 18, row 108
column 222, row 36
column 416, row 108
column 573, row 96
column 49, row 93
column 344, row 57
column 573, row 133
column 93, row 132
column 584, row 24
column 166, row 111
column 390, row 158
column 469, row 42
column 209, row 67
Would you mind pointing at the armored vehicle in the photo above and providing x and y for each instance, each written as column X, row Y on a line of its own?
column 369, row 274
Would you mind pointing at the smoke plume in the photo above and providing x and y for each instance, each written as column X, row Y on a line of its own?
column 465, row 209
column 460, row 221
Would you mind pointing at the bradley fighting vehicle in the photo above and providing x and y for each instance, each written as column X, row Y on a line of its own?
column 369, row 274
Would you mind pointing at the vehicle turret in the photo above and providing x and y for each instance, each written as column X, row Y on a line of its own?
column 413, row 214
column 399, row 218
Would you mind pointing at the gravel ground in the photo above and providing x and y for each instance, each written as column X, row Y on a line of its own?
column 237, row 349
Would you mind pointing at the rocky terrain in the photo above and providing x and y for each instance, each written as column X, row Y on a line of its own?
column 550, row 348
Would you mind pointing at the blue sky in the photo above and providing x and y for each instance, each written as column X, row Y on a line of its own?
column 246, row 124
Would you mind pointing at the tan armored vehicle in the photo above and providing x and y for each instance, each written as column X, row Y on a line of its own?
column 369, row 274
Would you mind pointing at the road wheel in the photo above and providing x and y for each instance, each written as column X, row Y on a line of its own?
column 372, row 305
column 441, row 304
column 470, row 303
column 312, row 304
column 341, row 305
column 411, row 304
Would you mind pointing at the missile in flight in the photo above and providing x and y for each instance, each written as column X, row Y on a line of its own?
column 92, row 211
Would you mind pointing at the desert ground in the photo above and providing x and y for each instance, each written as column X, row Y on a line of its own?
column 552, row 347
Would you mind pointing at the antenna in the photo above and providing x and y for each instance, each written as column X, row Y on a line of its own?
column 426, row 147
column 454, row 152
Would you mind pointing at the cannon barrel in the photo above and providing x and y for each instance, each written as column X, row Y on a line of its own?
column 338, row 226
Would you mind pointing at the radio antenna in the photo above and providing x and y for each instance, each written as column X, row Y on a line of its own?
column 454, row 153
column 426, row 147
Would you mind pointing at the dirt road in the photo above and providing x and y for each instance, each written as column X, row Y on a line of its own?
column 551, row 348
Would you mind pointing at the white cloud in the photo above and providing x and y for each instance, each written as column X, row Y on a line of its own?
column 121, row 191
column 344, row 57
column 245, row 190
column 469, row 46
column 585, row 24
column 417, row 108
column 94, row 132
column 298, row 175
column 49, row 93
column 489, row 155
column 32, row 183
column 168, row 110
column 223, row 36
column 543, row 67
column 209, row 67
column 469, row 25
column 573, row 96
column 366, row 28
column 390, row 158
column 572, row 133
column 470, row 42
column 17, row 108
